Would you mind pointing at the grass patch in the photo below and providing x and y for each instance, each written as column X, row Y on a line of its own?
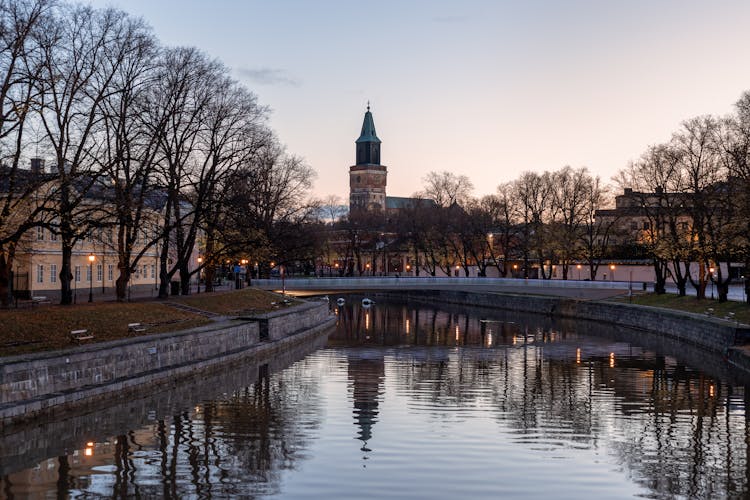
column 740, row 310
column 48, row 327
column 245, row 301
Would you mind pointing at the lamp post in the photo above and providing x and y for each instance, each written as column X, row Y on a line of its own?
column 612, row 268
column 711, row 276
column 515, row 269
column 579, row 271
column 92, row 258
column 200, row 261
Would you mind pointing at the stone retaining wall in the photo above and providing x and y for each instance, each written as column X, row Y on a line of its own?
column 65, row 428
column 711, row 333
column 32, row 384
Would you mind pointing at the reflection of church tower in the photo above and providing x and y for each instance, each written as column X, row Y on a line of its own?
column 367, row 178
column 365, row 376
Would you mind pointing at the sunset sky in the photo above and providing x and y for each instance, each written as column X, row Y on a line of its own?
column 488, row 89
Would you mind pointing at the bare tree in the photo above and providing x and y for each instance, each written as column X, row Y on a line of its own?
column 82, row 54
column 128, row 158
column 446, row 188
column 21, row 59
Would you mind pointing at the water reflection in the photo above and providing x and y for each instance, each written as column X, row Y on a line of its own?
column 429, row 401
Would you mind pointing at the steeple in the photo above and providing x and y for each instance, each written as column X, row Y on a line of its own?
column 368, row 144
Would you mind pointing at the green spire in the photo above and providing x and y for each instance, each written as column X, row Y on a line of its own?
column 368, row 128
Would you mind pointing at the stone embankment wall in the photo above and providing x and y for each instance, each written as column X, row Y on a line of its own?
column 32, row 384
column 710, row 333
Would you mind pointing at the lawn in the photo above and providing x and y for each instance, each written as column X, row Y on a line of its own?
column 47, row 327
column 234, row 303
column 740, row 310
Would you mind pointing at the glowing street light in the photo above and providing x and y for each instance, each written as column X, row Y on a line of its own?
column 612, row 268
column 711, row 270
column 579, row 271
column 200, row 261
column 92, row 258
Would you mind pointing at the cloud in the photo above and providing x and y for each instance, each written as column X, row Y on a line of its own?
column 269, row 76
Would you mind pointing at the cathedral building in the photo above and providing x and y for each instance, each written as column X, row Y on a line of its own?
column 367, row 179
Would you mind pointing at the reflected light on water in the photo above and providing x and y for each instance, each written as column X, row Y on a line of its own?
column 422, row 417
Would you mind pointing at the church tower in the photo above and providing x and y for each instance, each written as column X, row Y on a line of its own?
column 367, row 178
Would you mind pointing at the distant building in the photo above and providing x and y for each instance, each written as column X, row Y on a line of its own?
column 368, row 178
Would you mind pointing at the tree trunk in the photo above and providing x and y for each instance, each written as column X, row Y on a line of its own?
column 209, row 272
column 6, row 292
column 66, row 292
column 184, row 279
column 163, row 273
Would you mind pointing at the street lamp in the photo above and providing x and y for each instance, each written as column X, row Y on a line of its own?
column 711, row 270
column 515, row 269
column 579, row 271
column 612, row 268
column 92, row 258
column 200, row 261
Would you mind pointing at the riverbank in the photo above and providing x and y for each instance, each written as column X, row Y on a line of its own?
column 46, row 327
column 51, row 382
column 720, row 336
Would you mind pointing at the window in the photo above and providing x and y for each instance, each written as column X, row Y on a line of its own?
column 110, row 272
column 684, row 226
column 109, row 236
column 99, row 272
column 40, row 234
column 52, row 236
column 40, row 273
column 88, row 272
column 145, row 271
column 78, row 273
column 53, row 273
column 153, row 271
column 646, row 225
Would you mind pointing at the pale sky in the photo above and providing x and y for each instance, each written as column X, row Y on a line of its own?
column 488, row 89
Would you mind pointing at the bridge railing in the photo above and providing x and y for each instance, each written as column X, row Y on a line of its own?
column 392, row 281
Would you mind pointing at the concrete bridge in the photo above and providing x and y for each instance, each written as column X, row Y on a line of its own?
column 574, row 289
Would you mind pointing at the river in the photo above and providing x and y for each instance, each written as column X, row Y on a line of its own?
column 414, row 401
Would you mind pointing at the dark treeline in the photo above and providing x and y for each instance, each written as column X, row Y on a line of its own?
column 156, row 147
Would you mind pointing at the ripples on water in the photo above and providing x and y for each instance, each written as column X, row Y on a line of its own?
column 417, row 402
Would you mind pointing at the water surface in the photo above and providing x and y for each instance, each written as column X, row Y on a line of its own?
column 415, row 401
